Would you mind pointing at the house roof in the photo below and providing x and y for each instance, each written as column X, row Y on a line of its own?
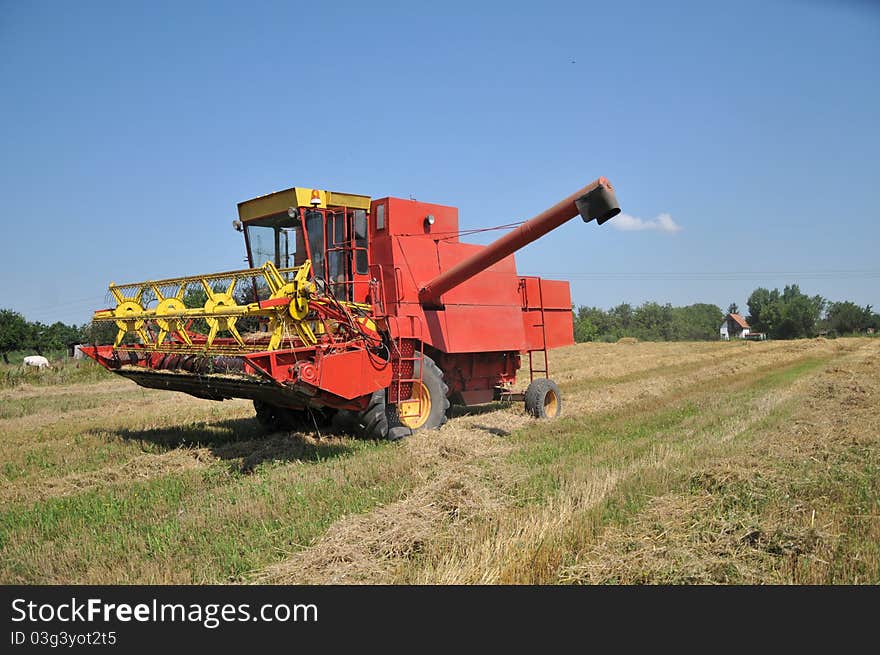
column 739, row 319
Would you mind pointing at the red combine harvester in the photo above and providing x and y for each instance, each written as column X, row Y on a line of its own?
column 370, row 314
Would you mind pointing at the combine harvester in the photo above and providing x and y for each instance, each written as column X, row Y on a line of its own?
column 367, row 313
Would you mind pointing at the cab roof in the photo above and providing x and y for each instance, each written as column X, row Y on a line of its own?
column 279, row 202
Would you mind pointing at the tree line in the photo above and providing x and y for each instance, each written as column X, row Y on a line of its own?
column 791, row 314
column 786, row 314
column 648, row 322
column 19, row 334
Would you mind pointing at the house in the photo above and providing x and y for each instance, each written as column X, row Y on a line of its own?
column 734, row 327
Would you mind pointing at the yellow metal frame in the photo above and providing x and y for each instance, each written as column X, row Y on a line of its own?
column 220, row 311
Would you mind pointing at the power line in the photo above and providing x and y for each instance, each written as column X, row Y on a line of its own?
column 712, row 275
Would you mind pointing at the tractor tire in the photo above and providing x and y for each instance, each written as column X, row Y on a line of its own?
column 432, row 405
column 543, row 399
column 372, row 423
column 383, row 421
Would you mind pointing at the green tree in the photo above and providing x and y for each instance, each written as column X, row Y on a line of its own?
column 652, row 321
column 800, row 313
column 15, row 333
column 591, row 324
column 847, row 317
column 35, row 338
column 57, row 336
column 763, row 309
column 584, row 327
column 787, row 315
column 621, row 321
column 697, row 322
column 649, row 321
column 99, row 333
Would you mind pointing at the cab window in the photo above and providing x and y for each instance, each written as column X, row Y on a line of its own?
column 315, row 231
column 274, row 239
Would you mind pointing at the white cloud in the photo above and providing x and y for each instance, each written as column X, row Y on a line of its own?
column 627, row 223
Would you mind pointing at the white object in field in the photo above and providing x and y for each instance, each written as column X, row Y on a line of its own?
column 36, row 360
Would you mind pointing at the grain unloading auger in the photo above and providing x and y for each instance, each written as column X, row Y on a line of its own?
column 369, row 313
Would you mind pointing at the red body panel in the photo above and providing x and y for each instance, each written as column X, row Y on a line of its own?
column 348, row 373
column 487, row 312
column 547, row 314
column 473, row 377
column 471, row 328
column 483, row 323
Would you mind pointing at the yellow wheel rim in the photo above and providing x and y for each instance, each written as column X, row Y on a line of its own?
column 414, row 413
column 551, row 404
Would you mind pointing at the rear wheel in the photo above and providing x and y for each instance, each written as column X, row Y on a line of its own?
column 543, row 399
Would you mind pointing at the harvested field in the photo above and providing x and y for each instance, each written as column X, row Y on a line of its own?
column 742, row 462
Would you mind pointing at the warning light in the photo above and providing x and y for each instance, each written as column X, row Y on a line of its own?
column 316, row 197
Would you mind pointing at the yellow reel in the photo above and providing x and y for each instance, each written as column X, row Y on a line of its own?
column 217, row 302
column 174, row 324
column 125, row 313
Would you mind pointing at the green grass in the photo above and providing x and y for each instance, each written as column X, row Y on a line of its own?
column 760, row 505
column 576, row 442
column 55, row 404
column 551, row 450
column 63, row 371
column 198, row 526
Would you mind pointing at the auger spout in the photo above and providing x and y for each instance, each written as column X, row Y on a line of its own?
column 594, row 201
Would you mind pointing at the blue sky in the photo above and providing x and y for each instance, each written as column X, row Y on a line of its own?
column 129, row 131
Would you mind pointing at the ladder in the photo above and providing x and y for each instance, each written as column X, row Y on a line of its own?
column 405, row 351
column 543, row 326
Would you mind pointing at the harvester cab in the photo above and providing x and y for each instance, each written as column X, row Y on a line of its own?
column 327, row 228
column 367, row 313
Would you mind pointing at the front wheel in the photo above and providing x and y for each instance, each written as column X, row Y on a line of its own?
column 426, row 409
column 543, row 399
